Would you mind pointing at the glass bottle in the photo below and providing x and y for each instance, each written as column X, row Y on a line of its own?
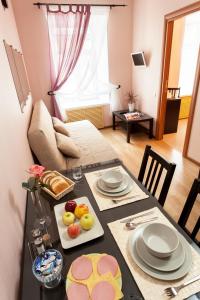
column 42, row 219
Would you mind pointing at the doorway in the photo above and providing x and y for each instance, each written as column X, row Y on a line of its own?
column 183, row 63
column 171, row 78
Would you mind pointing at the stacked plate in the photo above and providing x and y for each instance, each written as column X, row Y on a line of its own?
column 160, row 252
column 114, row 183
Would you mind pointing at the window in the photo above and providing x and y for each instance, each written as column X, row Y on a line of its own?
column 89, row 80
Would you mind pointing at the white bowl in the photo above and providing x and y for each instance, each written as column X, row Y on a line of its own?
column 160, row 240
column 112, row 178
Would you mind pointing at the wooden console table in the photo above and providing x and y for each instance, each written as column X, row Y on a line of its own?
column 143, row 118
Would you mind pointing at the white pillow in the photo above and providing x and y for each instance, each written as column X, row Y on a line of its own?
column 67, row 146
column 59, row 126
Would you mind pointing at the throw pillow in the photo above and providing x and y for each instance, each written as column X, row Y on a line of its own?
column 59, row 126
column 67, row 146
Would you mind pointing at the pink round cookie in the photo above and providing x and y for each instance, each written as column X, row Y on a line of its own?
column 77, row 291
column 107, row 263
column 81, row 268
column 103, row 290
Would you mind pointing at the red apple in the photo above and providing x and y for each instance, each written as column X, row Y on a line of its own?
column 70, row 206
column 73, row 230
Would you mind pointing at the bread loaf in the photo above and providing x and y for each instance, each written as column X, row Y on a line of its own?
column 55, row 182
column 59, row 186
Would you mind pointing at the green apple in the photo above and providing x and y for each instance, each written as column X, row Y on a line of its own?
column 87, row 221
column 68, row 218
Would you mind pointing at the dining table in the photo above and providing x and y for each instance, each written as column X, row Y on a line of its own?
column 31, row 289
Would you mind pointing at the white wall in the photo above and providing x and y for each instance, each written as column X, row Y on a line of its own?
column 15, row 158
column 194, row 144
column 148, row 36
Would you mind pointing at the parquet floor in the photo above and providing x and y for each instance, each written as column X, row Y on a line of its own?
column 131, row 155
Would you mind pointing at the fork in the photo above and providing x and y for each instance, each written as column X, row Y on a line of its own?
column 173, row 291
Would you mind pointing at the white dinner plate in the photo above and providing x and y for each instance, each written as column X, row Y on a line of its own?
column 120, row 188
column 173, row 275
column 122, row 193
column 85, row 235
column 167, row 264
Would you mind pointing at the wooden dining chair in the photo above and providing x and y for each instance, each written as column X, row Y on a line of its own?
column 192, row 196
column 150, row 176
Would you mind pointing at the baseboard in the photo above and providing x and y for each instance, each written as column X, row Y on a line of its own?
column 193, row 160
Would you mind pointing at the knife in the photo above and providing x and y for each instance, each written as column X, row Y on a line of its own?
column 136, row 217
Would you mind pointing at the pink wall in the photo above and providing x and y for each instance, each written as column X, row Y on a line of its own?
column 32, row 29
column 148, row 35
column 15, row 158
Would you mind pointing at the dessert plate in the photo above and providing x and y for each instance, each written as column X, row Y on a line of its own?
column 85, row 236
column 122, row 186
column 173, row 275
column 167, row 264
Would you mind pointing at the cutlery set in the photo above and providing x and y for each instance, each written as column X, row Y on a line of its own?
column 173, row 291
column 154, row 249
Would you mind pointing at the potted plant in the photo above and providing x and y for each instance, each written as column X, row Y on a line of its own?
column 131, row 99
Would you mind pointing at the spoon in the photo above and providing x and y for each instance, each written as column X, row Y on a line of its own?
column 132, row 225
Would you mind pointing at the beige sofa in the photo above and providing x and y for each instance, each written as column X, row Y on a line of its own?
column 93, row 146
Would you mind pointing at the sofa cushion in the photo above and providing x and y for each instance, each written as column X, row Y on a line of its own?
column 67, row 146
column 42, row 139
column 59, row 126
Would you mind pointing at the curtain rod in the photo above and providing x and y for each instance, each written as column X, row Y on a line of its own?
column 110, row 5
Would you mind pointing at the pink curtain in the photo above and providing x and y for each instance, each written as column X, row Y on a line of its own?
column 67, row 27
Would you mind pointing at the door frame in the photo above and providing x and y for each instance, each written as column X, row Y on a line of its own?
column 168, row 33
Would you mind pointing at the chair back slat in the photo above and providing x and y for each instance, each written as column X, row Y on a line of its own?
column 167, row 183
column 185, row 214
column 196, row 229
column 149, row 172
column 153, row 176
column 157, row 180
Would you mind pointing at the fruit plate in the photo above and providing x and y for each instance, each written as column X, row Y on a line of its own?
column 85, row 236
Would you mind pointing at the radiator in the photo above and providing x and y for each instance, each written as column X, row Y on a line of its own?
column 93, row 114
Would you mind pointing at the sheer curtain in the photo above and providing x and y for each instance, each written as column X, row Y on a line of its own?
column 67, row 30
column 90, row 78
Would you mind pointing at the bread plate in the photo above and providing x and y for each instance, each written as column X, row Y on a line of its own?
column 65, row 191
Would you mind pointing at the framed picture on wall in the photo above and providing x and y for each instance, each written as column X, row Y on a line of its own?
column 19, row 74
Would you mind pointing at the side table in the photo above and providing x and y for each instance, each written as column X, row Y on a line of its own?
column 143, row 118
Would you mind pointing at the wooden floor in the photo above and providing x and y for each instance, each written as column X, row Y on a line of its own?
column 176, row 140
column 131, row 155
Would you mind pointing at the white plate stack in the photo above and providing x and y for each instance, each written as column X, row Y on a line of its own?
column 113, row 183
column 160, row 251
